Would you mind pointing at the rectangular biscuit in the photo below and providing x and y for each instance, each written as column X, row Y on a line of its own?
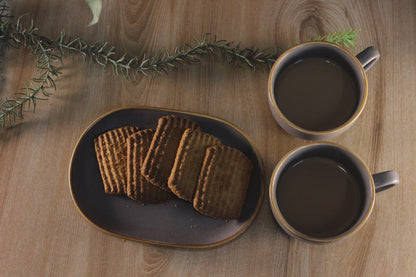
column 111, row 152
column 138, row 188
column 160, row 158
column 223, row 183
column 184, row 176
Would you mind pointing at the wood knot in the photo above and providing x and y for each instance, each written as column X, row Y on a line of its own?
column 311, row 21
column 310, row 27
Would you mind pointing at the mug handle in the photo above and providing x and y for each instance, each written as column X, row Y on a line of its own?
column 385, row 180
column 368, row 57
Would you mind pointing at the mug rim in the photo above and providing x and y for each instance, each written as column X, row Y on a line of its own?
column 295, row 233
column 310, row 133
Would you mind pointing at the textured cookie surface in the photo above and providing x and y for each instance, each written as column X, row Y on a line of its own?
column 184, row 176
column 138, row 188
column 223, row 183
column 111, row 151
column 162, row 152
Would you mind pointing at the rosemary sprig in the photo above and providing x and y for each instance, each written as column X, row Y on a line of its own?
column 49, row 52
column 15, row 35
column 163, row 61
column 345, row 37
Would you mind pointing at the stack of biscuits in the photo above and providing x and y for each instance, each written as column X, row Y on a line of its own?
column 177, row 159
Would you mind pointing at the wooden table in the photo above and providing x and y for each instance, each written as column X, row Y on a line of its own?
column 43, row 234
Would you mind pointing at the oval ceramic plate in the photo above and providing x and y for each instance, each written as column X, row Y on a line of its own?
column 174, row 223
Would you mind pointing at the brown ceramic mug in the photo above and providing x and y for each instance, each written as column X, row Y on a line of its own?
column 317, row 90
column 323, row 192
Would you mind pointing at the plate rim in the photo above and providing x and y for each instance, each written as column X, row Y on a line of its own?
column 144, row 107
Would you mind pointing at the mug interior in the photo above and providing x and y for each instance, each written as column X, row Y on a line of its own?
column 342, row 156
column 326, row 51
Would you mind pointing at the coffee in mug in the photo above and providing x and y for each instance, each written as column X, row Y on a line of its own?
column 316, row 94
column 323, row 192
column 319, row 197
column 317, row 89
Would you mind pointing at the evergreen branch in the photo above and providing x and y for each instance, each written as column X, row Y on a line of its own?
column 345, row 38
column 49, row 52
column 15, row 36
column 105, row 55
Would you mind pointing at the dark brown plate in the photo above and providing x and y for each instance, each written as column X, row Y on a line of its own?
column 174, row 223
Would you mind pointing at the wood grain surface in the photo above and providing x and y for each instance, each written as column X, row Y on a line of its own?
column 43, row 234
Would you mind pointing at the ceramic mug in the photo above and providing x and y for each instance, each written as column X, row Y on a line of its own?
column 294, row 206
column 356, row 67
